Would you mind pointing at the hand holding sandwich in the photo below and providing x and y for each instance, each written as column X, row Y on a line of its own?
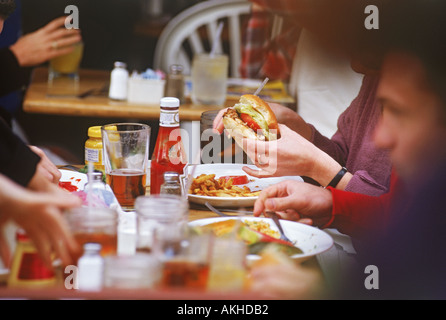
column 276, row 149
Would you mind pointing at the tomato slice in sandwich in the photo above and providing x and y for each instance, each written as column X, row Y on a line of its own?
column 249, row 121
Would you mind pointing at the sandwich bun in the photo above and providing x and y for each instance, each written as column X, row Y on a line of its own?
column 264, row 109
column 239, row 129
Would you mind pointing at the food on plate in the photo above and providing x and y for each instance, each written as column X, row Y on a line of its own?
column 272, row 255
column 260, row 247
column 249, row 232
column 251, row 118
column 237, row 180
column 68, row 186
column 262, row 227
column 208, row 185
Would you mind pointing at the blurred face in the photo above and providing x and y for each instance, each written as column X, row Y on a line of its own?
column 2, row 21
column 412, row 126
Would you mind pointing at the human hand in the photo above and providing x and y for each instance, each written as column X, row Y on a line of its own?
column 278, row 277
column 45, row 168
column 298, row 201
column 48, row 42
column 218, row 121
column 290, row 155
column 40, row 215
column 283, row 115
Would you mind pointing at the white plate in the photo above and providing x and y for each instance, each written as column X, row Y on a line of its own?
column 310, row 240
column 77, row 179
column 232, row 169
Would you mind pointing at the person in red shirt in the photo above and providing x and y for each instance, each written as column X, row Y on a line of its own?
column 401, row 232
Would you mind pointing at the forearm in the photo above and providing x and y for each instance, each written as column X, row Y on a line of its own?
column 335, row 148
column 358, row 214
column 13, row 76
column 17, row 161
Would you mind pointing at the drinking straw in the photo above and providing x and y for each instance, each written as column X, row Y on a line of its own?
column 261, row 86
column 216, row 39
column 89, row 190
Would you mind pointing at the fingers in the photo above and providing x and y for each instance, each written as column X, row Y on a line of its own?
column 46, row 166
column 218, row 121
column 272, row 191
column 257, row 173
column 55, row 24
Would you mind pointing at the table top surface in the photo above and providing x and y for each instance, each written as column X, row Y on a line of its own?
column 39, row 99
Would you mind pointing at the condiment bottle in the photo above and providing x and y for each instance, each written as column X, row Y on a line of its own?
column 169, row 153
column 97, row 193
column 171, row 183
column 28, row 269
column 118, row 81
column 175, row 82
column 93, row 148
column 90, row 268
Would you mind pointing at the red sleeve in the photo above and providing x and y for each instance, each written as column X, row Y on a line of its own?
column 355, row 213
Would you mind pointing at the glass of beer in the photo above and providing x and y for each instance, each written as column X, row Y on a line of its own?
column 94, row 224
column 126, row 154
column 187, row 265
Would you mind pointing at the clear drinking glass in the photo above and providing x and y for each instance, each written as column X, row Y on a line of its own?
column 63, row 72
column 158, row 215
column 228, row 265
column 126, row 154
column 209, row 79
column 132, row 271
column 186, row 265
column 95, row 224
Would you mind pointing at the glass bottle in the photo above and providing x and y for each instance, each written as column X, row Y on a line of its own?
column 93, row 148
column 90, row 268
column 175, row 82
column 97, row 193
column 118, row 81
column 171, row 184
column 169, row 153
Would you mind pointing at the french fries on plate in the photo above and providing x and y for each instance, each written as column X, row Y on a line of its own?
column 207, row 185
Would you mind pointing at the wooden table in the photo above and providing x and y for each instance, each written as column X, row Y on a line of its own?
column 59, row 292
column 38, row 100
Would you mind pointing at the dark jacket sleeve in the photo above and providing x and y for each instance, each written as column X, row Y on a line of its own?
column 17, row 160
column 12, row 75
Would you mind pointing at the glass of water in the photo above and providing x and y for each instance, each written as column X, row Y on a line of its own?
column 209, row 79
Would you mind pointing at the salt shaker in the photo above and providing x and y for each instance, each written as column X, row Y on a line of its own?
column 171, row 183
column 90, row 268
column 175, row 82
column 118, row 81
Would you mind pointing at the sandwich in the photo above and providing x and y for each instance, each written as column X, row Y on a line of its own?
column 251, row 118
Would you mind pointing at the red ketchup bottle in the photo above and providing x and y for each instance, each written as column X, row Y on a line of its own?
column 169, row 153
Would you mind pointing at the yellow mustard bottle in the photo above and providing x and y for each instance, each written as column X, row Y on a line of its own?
column 93, row 148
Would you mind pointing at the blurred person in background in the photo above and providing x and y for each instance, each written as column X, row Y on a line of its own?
column 302, row 150
column 400, row 233
column 29, row 193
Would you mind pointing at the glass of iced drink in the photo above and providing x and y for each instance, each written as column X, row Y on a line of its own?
column 126, row 154
column 209, row 79
column 67, row 65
